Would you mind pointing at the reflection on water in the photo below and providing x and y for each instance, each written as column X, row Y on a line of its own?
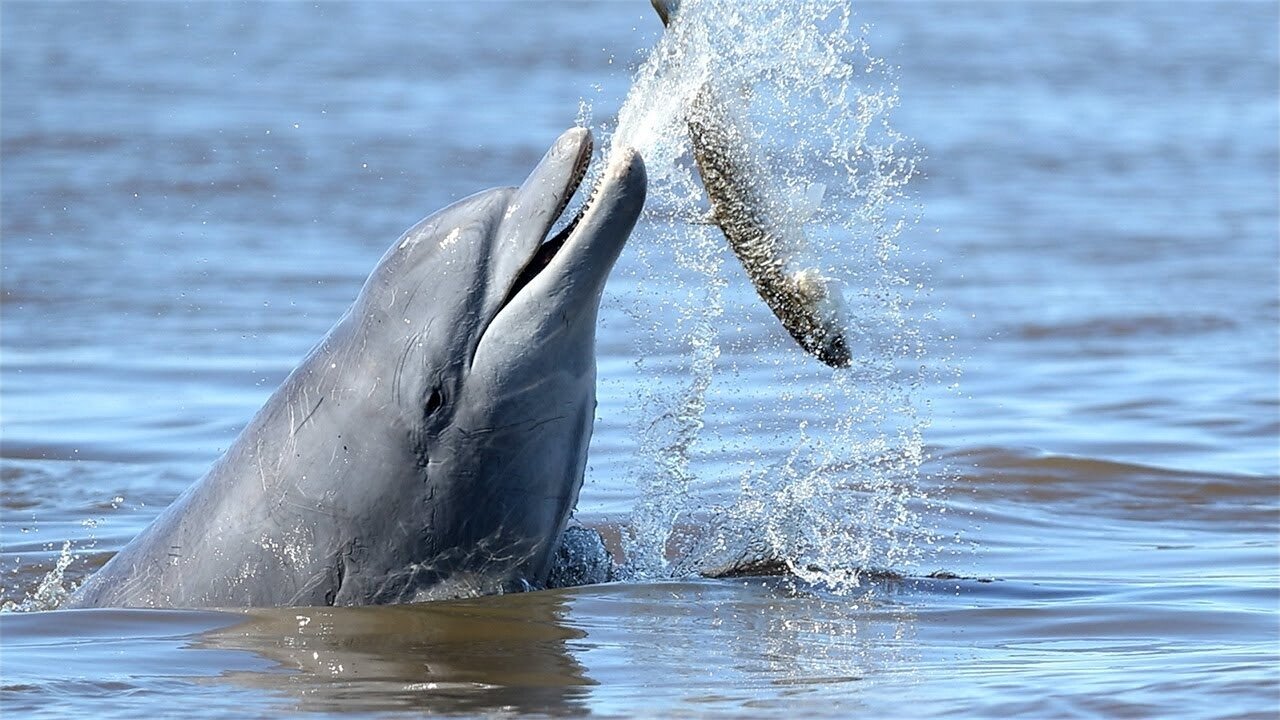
column 753, row 647
column 607, row 648
column 445, row 657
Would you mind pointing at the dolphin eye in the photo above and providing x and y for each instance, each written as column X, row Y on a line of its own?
column 434, row 401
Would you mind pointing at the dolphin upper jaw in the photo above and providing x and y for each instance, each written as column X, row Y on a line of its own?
column 535, row 206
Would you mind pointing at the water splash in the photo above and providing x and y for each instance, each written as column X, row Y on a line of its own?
column 53, row 589
column 717, row 373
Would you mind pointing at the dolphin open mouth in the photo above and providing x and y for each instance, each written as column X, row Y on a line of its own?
column 548, row 249
column 560, row 273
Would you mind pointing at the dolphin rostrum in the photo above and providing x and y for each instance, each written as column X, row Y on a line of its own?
column 433, row 444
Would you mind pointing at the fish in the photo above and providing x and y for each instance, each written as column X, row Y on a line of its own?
column 808, row 304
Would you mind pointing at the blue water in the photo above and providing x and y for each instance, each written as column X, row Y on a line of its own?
column 191, row 194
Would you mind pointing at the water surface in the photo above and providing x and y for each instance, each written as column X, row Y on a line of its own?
column 192, row 194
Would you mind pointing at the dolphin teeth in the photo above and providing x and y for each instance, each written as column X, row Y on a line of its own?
column 579, row 172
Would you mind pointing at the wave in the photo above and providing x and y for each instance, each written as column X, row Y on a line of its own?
column 1124, row 327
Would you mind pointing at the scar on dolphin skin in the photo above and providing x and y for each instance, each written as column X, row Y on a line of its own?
column 309, row 415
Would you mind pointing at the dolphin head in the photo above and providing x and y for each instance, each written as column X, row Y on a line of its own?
column 475, row 337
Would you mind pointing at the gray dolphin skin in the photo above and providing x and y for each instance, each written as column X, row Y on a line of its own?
column 805, row 302
column 433, row 444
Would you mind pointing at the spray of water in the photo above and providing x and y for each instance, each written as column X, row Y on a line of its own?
column 52, row 589
column 718, row 375
column 719, row 378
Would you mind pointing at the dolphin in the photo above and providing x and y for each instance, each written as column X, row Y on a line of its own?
column 432, row 445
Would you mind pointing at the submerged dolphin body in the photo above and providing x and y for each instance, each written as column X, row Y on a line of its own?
column 808, row 305
column 433, row 444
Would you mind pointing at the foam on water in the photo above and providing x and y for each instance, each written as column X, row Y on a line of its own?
column 818, row 105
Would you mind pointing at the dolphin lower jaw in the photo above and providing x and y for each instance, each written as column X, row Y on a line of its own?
column 595, row 238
